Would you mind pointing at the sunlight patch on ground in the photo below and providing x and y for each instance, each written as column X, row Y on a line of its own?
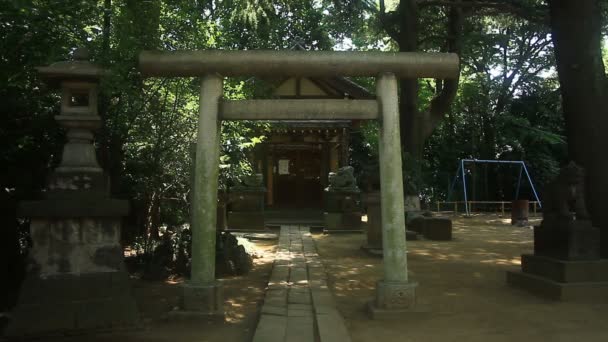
column 504, row 262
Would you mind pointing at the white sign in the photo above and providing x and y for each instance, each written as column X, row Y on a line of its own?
column 283, row 166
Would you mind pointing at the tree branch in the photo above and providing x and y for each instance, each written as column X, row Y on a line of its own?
column 536, row 14
column 387, row 22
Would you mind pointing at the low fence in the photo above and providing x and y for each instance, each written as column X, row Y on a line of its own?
column 500, row 207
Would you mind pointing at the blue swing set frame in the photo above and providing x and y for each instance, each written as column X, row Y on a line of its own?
column 461, row 173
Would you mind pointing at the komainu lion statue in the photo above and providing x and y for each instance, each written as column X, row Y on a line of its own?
column 566, row 194
column 343, row 179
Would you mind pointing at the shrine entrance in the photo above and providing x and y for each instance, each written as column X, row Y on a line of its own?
column 202, row 294
column 298, row 176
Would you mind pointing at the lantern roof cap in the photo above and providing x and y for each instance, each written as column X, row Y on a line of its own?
column 80, row 68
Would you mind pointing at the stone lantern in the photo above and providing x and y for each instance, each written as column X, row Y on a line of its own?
column 76, row 279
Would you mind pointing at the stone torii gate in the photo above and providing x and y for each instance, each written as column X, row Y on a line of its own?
column 202, row 294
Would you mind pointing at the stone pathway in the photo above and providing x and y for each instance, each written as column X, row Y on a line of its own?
column 298, row 305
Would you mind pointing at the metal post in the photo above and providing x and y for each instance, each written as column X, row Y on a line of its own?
column 203, row 294
column 451, row 190
column 393, row 292
column 464, row 186
column 532, row 185
column 521, row 168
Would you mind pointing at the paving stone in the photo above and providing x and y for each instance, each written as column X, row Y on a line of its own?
column 282, row 262
column 300, row 329
column 271, row 328
column 317, row 274
column 300, row 261
column 298, row 275
column 299, row 296
column 274, row 310
column 317, row 284
column 332, row 328
column 282, row 285
column 276, row 297
column 323, row 301
column 282, row 255
column 301, row 306
column 299, row 310
column 279, row 273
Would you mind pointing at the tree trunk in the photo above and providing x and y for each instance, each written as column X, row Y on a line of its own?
column 417, row 125
column 577, row 36
column 153, row 216
column 409, row 113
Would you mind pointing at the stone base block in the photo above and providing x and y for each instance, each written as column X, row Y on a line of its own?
column 248, row 200
column 393, row 299
column 394, row 296
column 565, row 271
column 73, row 304
column 574, row 240
column 438, row 228
column 202, row 299
column 433, row 228
column 246, row 220
column 342, row 222
column 372, row 249
column 416, row 224
column 580, row 291
column 342, row 201
column 389, row 314
column 331, row 327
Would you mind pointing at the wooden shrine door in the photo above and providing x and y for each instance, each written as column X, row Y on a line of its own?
column 297, row 174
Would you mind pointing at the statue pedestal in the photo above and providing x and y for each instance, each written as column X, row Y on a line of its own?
column 571, row 240
column 342, row 211
column 374, row 223
column 563, row 280
column 566, row 264
column 342, row 222
column 246, row 209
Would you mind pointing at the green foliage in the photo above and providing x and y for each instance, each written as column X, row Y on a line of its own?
column 507, row 105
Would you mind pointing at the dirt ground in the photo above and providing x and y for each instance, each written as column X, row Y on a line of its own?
column 462, row 283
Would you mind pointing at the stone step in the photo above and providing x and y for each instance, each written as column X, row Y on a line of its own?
column 591, row 292
column 565, row 271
